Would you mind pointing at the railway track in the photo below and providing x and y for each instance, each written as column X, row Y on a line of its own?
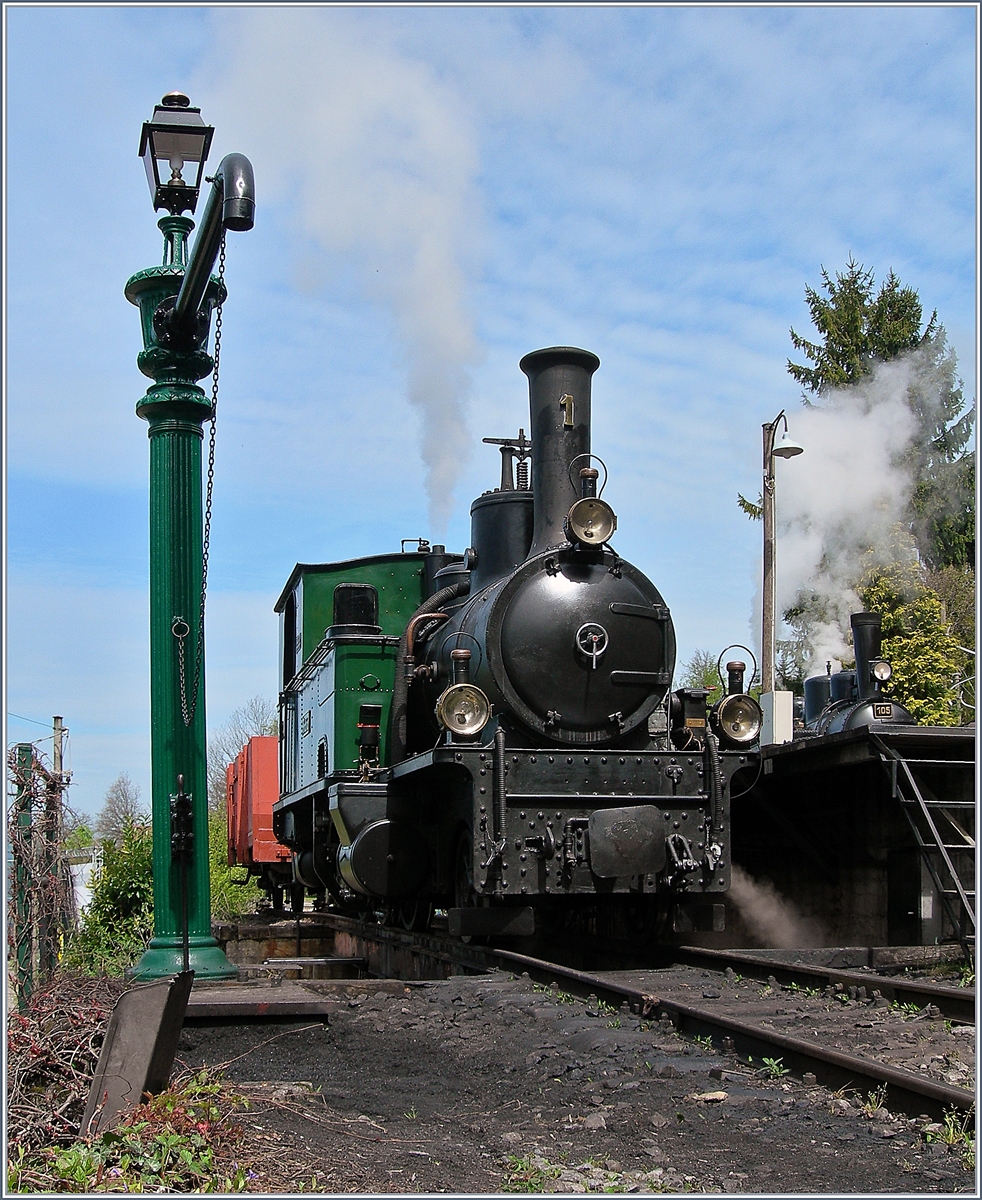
column 956, row 1003
column 907, row 1091
column 392, row 952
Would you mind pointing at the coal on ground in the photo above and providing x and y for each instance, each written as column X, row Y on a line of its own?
column 490, row 1084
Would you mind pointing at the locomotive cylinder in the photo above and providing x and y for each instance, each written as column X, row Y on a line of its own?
column 559, row 396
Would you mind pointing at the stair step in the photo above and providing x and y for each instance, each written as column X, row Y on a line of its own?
column 954, row 804
column 913, row 763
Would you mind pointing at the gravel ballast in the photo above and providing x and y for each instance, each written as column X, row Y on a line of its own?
column 490, row 1084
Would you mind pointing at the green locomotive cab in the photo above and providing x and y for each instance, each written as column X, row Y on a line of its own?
column 340, row 625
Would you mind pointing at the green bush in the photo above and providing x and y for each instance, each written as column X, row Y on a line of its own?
column 118, row 922
column 232, row 893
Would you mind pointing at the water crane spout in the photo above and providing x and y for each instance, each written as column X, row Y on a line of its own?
column 231, row 204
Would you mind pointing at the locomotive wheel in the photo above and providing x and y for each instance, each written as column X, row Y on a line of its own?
column 298, row 894
column 415, row 915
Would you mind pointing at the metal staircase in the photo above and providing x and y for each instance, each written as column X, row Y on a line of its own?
column 944, row 830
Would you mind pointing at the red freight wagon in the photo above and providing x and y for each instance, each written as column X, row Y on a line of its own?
column 252, row 788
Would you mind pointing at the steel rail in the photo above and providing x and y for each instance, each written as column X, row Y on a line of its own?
column 956, row 1003
column 906, row 1090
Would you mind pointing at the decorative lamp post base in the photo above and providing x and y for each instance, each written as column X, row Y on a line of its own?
column 164, row 957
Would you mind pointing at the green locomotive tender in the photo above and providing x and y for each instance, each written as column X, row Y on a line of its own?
column 494, row 733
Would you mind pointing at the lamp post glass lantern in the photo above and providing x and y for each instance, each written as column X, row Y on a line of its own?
column 174, row 139
column 773, row 448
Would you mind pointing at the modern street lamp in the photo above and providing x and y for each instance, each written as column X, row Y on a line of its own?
column 176, row 300
column 783, row 448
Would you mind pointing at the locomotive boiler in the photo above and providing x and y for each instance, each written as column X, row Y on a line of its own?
column 495, row 733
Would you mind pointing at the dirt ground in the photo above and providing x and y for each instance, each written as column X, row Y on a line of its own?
column 490, row 1084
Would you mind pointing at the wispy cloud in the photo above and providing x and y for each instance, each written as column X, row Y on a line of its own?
column 380, row 165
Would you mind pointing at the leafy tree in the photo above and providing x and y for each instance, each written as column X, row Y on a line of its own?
column 77, row 834
column 120, row 807
column 700, row 672
column 927, row 662
column 255, row 718
column 857, row 328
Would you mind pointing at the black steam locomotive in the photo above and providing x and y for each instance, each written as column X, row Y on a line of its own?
column 852, row 699
column 494, row 733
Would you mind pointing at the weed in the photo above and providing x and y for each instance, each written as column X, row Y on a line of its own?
column 605, row 1009
column 614, row 1024
column 705, row 1040
column 565, row 998
column 774, row 1068
column 171, row 1143
column 966, row 976
column 526, row 1173
column 905, row 1011
column 796, row 989
column 957, row 1130
column 411, row 1114
column 874, row 1101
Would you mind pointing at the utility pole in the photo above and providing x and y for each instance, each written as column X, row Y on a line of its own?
column 777, row 707
column 52, row 918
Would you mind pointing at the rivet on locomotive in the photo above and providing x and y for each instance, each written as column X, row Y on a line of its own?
column 494, row 733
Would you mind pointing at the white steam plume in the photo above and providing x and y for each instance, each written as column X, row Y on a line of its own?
column 382, row 166
column 769, row 917
column 839, row 502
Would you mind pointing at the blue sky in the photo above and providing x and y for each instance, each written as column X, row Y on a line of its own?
column 441, row 190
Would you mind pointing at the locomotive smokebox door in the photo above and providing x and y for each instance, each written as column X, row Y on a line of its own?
column 627, row 841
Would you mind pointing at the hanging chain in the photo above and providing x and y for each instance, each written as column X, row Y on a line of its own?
column 179, row 624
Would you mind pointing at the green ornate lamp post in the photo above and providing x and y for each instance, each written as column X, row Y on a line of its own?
column 176, row 301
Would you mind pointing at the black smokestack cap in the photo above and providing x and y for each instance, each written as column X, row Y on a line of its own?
column 867, row 639
column 559, row 401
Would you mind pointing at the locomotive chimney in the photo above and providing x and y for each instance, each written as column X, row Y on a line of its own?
column 866, row 641
column 734, row 678
column 559, row 400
